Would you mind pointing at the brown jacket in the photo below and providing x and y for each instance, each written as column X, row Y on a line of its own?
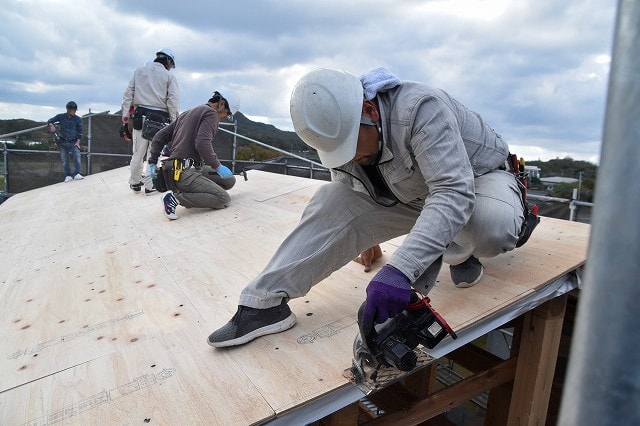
column 191, row 135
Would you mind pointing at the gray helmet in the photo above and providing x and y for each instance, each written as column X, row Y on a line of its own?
column 72, row 105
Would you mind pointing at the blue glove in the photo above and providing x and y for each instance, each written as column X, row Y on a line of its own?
column 152, row 170
column 224, row 171
column 388, row 294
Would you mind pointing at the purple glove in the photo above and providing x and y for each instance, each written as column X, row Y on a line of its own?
column 388, row 294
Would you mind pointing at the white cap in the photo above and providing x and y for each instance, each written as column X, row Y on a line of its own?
column 326, row 106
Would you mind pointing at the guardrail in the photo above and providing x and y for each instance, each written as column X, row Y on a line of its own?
column 573, row 203
column 305, row 166
column 311, row 168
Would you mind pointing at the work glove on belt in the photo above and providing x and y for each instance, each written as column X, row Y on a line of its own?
column 152, row 171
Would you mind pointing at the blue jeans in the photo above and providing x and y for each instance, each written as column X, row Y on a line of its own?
column 67, row 148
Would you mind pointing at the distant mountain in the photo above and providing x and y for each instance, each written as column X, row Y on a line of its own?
column 15, row 125
column 265, row 133
column 269, row 134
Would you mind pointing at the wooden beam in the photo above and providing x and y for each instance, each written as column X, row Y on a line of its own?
column 394, row 397
column 497, row 411
column 423, row 381
column 536, row 363
column 451, row 396
column 499, row 400
column 473, row 358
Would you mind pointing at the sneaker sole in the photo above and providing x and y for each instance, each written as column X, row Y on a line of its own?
column 467, row 285
column 277, row 327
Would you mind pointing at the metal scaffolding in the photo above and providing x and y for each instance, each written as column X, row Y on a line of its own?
column 603, row 380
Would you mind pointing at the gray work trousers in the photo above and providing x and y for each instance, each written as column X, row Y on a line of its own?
column 203, row 188
column 339, row 223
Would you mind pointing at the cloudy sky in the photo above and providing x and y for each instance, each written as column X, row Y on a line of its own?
column 536, row 70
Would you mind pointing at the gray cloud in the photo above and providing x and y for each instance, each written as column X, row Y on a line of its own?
column 537, row 71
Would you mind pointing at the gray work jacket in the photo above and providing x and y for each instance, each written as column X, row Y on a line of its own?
column 433, row 147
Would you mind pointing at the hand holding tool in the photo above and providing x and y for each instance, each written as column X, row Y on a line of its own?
column 387, row 295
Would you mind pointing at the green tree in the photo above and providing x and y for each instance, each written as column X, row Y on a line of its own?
column 563, row 190
column 254, row 152
column 568, row 167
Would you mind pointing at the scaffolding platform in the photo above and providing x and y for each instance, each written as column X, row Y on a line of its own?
column 107, row 306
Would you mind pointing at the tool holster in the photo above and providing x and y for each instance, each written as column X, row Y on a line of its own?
column 531, row 218
column 168, row 175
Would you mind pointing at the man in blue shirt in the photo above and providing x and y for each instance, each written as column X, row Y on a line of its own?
column 69, row 139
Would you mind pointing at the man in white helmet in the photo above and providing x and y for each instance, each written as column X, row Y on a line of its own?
column 192, row 172
column 405, row 159
column 154, row 94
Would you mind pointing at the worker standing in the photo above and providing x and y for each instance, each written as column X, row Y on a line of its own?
column 154, row 93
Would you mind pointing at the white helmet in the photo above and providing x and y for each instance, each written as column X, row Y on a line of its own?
column 326, row 106
column 167, row 51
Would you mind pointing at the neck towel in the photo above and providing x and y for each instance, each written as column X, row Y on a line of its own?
column 378, row 80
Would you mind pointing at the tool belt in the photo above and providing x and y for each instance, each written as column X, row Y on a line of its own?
column 171, row 171
column 149, row 121
column 531, row 218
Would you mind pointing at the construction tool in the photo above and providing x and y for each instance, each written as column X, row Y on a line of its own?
column 384, row 352
column 242, row 173
column 125, row 132
column 177, row 169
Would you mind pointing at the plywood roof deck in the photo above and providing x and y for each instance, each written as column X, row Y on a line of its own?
column 106, row 304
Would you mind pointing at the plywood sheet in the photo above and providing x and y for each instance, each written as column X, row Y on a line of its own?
column 107, row 304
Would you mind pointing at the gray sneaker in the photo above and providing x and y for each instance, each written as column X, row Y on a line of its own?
column 467, row 273
column 249, row 323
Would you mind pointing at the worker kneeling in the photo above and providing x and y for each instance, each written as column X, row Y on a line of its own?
column 192, row 172
column 406, row 160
